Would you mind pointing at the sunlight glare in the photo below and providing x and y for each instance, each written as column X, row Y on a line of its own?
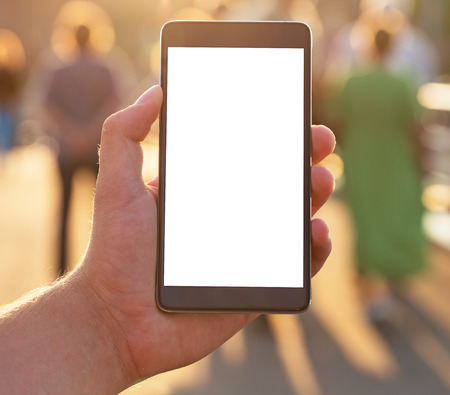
column 337, row 304
column 290, row 340
column 234, row 351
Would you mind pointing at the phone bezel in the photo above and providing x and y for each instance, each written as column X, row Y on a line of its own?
column 235, row 299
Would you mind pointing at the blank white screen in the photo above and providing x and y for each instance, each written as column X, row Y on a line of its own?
column 234, row 167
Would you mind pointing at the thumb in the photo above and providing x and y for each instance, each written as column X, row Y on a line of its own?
column 120, row 152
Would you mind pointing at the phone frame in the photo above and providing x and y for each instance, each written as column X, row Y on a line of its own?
column 236, row 299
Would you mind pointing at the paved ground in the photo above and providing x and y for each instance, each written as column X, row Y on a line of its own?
column 332, row 349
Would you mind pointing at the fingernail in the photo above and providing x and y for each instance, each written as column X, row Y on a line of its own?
column 146, row 95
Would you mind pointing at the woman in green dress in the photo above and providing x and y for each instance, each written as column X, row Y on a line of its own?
column 377, row 113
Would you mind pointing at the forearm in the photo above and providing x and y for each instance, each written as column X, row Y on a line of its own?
column 55, row 342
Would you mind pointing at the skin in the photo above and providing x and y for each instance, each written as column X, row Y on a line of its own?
column 99, row 330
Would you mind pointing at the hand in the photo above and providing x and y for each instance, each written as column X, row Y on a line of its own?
column 118, row 273
column 323, row 143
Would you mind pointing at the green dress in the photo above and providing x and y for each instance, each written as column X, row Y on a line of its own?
column 377, row 110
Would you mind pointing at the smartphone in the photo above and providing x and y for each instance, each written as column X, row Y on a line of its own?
column 234, row 167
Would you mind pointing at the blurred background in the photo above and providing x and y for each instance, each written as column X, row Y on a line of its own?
column 368, row 330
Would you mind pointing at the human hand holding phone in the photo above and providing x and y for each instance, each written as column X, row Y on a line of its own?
column 121, row 261
column 104, row 314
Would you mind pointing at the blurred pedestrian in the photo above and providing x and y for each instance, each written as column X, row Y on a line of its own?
column 80, row 96
column 412, row 51
column 376, row 112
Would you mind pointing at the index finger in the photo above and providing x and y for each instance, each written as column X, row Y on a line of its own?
column 323, row 142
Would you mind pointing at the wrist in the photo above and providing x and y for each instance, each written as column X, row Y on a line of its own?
column 103, row 332
column 55, row 341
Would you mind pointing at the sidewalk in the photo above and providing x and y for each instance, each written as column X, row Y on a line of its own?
column 332, row 349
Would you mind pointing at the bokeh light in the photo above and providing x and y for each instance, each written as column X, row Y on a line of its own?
column 335, row 163
column 12, row 55
column 76, row 13
column 436, row 197
column 435, row 96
